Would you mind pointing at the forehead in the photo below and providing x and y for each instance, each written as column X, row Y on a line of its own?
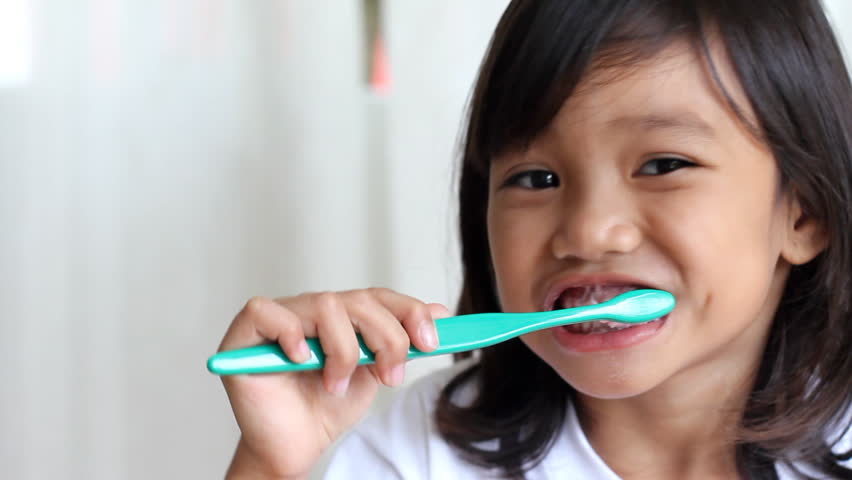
column 677, row 89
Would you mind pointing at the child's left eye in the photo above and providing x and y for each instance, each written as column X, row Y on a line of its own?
column 663, row 165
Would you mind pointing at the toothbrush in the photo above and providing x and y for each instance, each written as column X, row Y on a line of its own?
column 459, row 334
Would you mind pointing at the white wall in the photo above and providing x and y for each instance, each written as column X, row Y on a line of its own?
column 840, row 12
column 162, row 161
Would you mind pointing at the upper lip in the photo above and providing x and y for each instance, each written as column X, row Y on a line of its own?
column 565, row 282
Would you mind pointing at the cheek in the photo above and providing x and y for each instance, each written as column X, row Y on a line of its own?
column 516, row 238
column 727, row 247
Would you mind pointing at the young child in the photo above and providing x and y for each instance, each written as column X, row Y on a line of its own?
column 700, row 147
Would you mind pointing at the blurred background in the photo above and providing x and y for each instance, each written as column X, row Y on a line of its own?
column 162, row 161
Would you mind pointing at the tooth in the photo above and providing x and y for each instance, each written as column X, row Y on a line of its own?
column 589, row 296
column 596, row 294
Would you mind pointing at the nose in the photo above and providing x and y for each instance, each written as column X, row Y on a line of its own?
column 594, row 227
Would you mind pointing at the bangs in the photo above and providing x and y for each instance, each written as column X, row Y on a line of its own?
column 546, row 50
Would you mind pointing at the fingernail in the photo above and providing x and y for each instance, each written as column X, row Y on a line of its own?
column 304, row 351
column 397, row 375
column 339, row 388
column 427, row 334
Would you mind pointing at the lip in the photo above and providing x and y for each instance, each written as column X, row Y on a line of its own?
column 580, row 280
column 616, row 340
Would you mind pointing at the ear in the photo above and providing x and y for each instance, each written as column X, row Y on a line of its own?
column 806, row 236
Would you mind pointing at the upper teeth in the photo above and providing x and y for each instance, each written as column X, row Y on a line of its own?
column 590, row 295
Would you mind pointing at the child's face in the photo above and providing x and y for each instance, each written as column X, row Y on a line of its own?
column 645, row 178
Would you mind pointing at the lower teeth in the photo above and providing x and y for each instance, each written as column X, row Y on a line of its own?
column 598, row 327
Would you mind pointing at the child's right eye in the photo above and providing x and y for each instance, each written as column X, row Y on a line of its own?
column 533, row 180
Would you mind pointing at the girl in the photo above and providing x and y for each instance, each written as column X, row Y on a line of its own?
column 701, row 147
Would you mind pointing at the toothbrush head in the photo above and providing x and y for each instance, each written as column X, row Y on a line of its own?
column 640, row 306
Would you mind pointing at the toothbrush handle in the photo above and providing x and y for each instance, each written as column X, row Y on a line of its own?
column 270, row 358
column 456, row 334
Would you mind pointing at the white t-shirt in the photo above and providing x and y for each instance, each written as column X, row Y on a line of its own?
column 402, row 443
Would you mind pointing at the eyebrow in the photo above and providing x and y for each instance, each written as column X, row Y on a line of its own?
column 685, row 123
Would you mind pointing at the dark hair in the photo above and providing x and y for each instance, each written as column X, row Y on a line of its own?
column 790, row 66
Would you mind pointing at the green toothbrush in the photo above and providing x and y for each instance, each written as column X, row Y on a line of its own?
column 459, row 334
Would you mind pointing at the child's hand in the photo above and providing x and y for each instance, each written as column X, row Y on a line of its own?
column 288, row 419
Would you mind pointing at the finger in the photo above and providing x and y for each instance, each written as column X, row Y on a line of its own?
column 338, row 341
column 382, row 333
column 416, row 317
column 262, row 320
column 438, row 310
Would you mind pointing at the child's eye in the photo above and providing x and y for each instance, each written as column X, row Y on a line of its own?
column 533, row 180
column 663, row 165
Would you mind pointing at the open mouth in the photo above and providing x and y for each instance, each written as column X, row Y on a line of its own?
column 590, row 295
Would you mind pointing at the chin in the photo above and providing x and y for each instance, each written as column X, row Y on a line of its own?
column 609, row 392
column 615, row 384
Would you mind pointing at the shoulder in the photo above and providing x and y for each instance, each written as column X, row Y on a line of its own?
column 838, row 436
column 401, row 440
column 408, row 419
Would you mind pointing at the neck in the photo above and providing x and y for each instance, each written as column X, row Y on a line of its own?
column 681, row 429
